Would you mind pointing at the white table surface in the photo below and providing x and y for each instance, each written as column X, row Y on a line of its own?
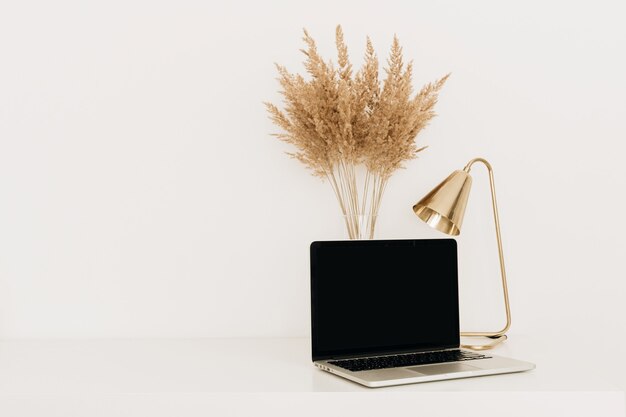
column 65, row 375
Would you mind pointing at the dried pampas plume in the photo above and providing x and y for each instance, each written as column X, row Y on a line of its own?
column 339, row 120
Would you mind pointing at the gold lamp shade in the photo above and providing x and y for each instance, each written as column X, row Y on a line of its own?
column 444, row 207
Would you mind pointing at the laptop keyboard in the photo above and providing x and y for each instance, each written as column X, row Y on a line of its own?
column 407, row 359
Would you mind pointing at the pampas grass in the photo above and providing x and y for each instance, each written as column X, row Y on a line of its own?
column 339, row 120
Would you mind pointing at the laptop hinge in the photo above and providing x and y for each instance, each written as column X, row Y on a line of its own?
column 379, row 354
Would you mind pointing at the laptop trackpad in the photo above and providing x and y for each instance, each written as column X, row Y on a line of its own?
column 444, row 368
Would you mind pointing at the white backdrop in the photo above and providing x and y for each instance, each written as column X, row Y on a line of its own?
column 141, row 194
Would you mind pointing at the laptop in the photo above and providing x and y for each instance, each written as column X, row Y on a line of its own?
column 386, row 312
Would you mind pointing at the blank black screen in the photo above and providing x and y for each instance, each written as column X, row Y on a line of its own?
column 383, row 296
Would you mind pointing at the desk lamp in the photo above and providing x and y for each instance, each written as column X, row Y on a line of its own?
column 443, row 209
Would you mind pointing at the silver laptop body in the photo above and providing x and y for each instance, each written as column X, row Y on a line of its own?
column 377, row 304
column 492, row 365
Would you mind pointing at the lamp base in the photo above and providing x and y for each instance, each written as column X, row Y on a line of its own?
column 496, row 340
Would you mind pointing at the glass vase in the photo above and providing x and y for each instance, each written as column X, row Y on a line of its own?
column 360, row 226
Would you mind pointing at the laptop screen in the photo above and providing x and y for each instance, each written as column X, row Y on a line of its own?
column 383, row 296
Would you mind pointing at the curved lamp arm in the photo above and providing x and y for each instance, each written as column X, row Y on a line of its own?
column 499, row 336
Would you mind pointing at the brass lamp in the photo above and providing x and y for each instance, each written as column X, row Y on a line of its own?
column 443, row 209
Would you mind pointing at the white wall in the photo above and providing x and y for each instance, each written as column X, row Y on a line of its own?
column 141, row 195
